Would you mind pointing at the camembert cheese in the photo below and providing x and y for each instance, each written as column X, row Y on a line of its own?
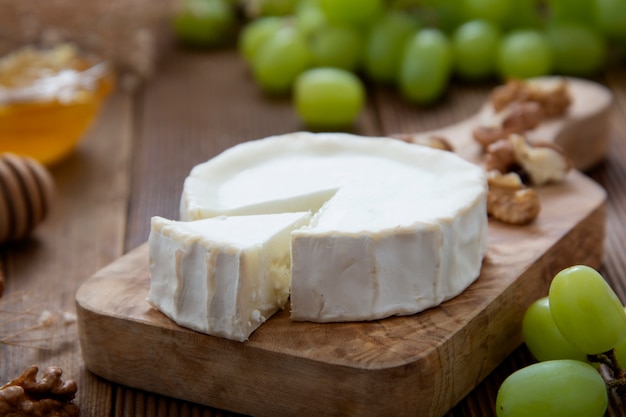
column 397, row 228
column 222, row 276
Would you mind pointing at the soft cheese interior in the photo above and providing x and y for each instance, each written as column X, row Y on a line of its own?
column 223, row 276
column 398, row 228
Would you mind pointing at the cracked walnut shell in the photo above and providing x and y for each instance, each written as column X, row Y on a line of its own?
column 50, row 396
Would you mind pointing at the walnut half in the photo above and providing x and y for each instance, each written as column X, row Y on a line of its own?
column 553, row 97
column 518, row 117
column 509, row 201
column 543, row 162
column 539, row 163
column 50, row 396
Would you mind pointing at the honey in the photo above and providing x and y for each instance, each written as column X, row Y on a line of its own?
column 48, row 99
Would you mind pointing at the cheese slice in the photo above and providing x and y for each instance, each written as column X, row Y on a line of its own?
column 398, row 227
column 222, row 276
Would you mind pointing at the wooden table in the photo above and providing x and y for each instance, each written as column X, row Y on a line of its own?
column 131, row 166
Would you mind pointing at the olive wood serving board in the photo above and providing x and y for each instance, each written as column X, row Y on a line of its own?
column 413, row 365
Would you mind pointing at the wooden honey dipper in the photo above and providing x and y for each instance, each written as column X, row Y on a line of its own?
column 26, row 191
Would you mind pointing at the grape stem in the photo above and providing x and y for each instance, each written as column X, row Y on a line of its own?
column 617, row 373
column 620, row 384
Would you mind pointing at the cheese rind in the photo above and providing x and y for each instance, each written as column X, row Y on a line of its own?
column 222, row 276
column 399, row 271
column 398, row 227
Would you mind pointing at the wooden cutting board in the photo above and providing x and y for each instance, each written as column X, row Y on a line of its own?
column 416, row 365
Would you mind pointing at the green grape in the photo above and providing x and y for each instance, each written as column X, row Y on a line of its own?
column 524, row 14
column 493, row 10
column 426, row 66
column 570, row 10
column 328, row 98
column 255, row 33
column 620, row 352
column 559, row 388
column 524, row 53
column 475, row 45
column 337, row 46
column 258, row 8
column 385, row 43
column 610, row 16
column 543, row 338
column 309, row 17
column 352, row 12
column 445, row 15
column 577, row 49
column 586, row 310
column 205, row 23
column 280, row 60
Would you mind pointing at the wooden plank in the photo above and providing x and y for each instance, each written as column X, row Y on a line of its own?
column 84, row 232
column 612, row 175
column 432, row 359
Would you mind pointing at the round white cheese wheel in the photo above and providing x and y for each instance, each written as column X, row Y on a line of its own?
column 398, row 228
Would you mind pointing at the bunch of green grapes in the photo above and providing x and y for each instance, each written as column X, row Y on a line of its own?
column 578, row 327
column 415, row 46
column 315, row 54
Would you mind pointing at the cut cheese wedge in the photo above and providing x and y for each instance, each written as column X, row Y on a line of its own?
column 398, row 228
column 222, row 276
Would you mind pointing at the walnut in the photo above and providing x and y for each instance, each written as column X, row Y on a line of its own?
column 538, row 163
column 50, row 396
column 503, row 95
column 509, row 201
column 486, row 135
column 553, row 97
column 500, row 157
column 543, row 162
column 432, row 141
column 516, row 118
column 521, row 117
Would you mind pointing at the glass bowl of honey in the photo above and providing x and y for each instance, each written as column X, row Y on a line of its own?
column 48, row 99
